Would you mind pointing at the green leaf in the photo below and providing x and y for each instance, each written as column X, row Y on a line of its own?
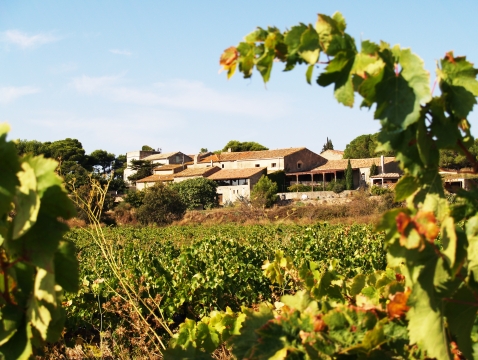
column 458, row 83
column 66, row 267
column 27, row 203
column 405, row 187
column 308, row 74
column 309, row 46
column 449, row 240
column 10, row 166
column 293, row 38
column 264, row 65
column 11, row 317
column 461, row 314
column 358, row 283
column 426, row 324
column 19, row 347
column 243, row 345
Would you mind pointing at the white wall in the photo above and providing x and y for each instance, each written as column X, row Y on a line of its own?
column 230, row 193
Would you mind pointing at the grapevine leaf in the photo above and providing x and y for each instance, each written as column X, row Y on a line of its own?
column 19, row 347
column 405, row 187
column 327, row 27
column 449, row 240
column 246, row 59
column 66, row 267
column 264, row 65
column 300, row 301
column 243, row 345
column 358, row 283
column 309, row 46
column 207, row 337
column 461, row 314
column 458, row 84
column 308, row 74
column 426, row 324
column 44, row 293
column 293, row 38
column 10, row 316
column 257, row 35
column 27, row 202
column 339, row 73
column 10, row 166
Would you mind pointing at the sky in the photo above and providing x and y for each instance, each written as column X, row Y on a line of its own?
column 117, row 75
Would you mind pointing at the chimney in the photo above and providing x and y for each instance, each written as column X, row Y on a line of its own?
column 229, row 150
column 196, row 160
column 382, row 163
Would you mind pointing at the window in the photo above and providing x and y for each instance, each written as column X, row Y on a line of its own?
column 222, row 165
column 258, row 165
column 299, row 165
column 273, row 165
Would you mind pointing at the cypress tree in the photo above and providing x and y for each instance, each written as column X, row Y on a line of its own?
column 349, row 180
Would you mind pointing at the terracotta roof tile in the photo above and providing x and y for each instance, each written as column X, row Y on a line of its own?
column 156, row 178
column 197, row 172
column 251, row 155
column 332, row 154
column 161, row 156
column 227, row 174
column 356, row 163
column 168, row 167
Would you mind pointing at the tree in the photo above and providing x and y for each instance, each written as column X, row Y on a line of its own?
column 237, row 146
column 198, row 192
column 143, row 168
column 161, row 205
column 328, row 145
column 264, row 193
column 103, row 160
column 440, row 291
column 363, row 147
column 349, row 177
column 373, row 170
column 203, row 150
column 147, row 148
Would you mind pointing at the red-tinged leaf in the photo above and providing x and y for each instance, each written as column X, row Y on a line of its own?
column 397, row 307
column 402, row 221
column 426, row 225
column 228, row 57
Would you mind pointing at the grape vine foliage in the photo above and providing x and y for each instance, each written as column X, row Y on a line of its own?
column 36, row 263
column 435, row 243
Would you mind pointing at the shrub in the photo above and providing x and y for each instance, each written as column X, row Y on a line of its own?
column 197, row 192
column 264, row 193
column 134, row 198
column 378, row 190
column 161, row 205
column 299, row 188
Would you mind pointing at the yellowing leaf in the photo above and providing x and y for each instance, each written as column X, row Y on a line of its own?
column 397, row 307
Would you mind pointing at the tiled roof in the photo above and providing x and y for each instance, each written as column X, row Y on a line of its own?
column 161, row 156
column 386, row 176
column 168, row 167
column 197, row 172
column 250, row 155
column 156, row 178
column 355, row 163
column 227, row 174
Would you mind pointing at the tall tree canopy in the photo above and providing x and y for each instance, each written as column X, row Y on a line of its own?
column 363, row 147
column 237, row 146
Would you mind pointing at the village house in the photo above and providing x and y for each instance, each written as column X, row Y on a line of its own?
column 135, row 155
column 290, row 160
column 334, row 170
column 233, row 183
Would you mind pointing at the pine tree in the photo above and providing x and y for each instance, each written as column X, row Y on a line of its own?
column 349, row 179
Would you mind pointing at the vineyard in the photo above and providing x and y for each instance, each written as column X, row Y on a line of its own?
column 190, row 271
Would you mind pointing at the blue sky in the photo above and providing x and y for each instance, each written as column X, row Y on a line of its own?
column 120, row 74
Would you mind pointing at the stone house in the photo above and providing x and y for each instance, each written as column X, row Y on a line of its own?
column 289, row 160
column 236, row 182
column 333, row 170
column 135, row 155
